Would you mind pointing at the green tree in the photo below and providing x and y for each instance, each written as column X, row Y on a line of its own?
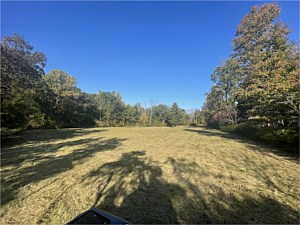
column 175, row 114
column 197, row 117
column 213, row 105
column 138, row 112
column 111, row 108
column 144, row 118
column 130, row 115
column 20, row 66
column 161, row 113
column 24, row 95
column 67, row 97
column 86, row 111
column 226, row 78
column 269, row 67
column 262, row 77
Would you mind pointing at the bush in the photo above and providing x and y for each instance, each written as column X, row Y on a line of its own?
column 229, row 128
column 287, row 138
column 5, row 132
column 157, row 123
column 99, row 123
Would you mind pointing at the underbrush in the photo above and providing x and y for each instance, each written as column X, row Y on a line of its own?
column 286, row 138
column 5, row 132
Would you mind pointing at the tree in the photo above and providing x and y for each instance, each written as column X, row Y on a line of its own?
column 144, row 118
column 20, row 66
column 111, row 108
column 23, row 92
column 138, row 112
column 160, row 113
column 67, row 97
column 86, row 110
column 268, row 62
column 131, row 115
column 258, row 86
column 152, row 104
column 213, row 104
column 226, row 78
column 175, row 114
column 197, row 117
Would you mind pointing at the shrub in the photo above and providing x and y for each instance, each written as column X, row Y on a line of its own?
column 6, row 132
column 229, row 128
column 99, row 123
column 287, row 138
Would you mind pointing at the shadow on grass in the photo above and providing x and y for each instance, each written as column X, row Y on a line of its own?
column 219, row 207
column 45, row 135
column 133, row 188
column 254, row 145
column 33, row 153
column 41, row 167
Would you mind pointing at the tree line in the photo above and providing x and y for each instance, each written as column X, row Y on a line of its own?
column 256, row 90
column 31, row 99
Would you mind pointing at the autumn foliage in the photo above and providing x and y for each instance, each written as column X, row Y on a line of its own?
column 259, row 83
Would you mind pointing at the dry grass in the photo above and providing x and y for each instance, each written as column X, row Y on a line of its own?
column 146, row 175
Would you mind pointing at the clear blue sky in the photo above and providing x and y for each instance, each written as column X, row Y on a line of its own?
column 163, row 51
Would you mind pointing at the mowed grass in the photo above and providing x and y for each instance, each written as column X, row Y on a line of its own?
column 146, row 175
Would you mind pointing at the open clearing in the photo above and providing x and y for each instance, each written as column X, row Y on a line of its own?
column 146, row 175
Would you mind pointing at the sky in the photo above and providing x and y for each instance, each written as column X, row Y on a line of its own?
column 159, row 51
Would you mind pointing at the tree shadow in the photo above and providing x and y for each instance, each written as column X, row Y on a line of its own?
column 192, row 206
column 43, row 167
column 254, row 145
column 45, row 135
column 222, row 207
column 17, row 155
column 133, row 188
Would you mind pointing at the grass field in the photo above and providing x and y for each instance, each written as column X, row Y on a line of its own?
column 146, row 175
